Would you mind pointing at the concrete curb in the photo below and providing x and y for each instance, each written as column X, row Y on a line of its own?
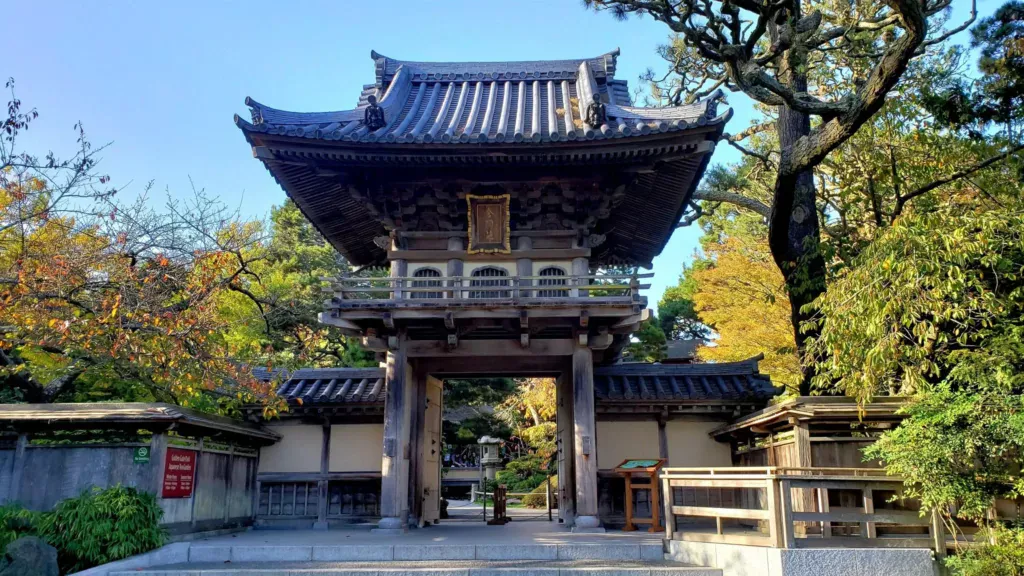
column 175, row 553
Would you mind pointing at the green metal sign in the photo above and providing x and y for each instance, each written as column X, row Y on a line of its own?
column 141, row 455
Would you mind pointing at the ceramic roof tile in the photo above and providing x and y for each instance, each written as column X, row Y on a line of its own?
column 484, row 102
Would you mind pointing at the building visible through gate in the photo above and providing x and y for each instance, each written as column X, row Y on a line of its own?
column 513, row 203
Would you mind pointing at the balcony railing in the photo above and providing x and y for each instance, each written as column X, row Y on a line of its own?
column 796, row 508
column 445, row 290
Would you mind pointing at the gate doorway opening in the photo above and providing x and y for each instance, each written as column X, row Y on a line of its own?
column 482, row 432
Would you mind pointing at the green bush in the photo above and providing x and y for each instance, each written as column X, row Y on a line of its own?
column 536, row 497
column 523, row 474
column 15, row 522
column 1004, row 558
column 101, row 526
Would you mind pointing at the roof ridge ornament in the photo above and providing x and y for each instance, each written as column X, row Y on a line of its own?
column 597, row 113
column 373, row 117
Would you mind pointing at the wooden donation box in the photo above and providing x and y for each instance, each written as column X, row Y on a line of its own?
column 633, row 470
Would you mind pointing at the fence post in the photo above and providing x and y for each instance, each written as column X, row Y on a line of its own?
column 547, row 498
column 786, row 494
column 869, row 530
column 938, row 535
column 775, row 533
column 667, row 497
column 18, row 468
column 195, row 483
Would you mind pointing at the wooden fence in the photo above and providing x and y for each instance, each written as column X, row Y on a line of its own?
column 39, row 475
column 795, row 508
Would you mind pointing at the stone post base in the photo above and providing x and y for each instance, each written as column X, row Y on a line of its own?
column 587, row 525
column 390, row 526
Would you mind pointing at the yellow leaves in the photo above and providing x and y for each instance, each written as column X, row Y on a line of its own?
column 743, row 296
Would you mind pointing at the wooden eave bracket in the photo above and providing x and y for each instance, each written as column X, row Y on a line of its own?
column 600, row 341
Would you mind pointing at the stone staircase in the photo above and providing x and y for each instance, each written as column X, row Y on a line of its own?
column 561, row 559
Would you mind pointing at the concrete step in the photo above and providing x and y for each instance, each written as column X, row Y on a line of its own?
column 429, row 568
column 198, row 552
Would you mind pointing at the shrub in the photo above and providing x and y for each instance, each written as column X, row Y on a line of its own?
column 536, row 497
column 1004, row 558
column 101, row 526
column 15, row 522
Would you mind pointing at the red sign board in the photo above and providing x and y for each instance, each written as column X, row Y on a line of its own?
column 179, row 473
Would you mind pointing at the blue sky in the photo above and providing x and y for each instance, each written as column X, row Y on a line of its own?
column 160, row 82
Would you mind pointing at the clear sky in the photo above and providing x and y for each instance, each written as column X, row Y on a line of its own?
column 160, row 82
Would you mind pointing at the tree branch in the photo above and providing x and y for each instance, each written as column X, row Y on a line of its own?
column 744, row 202
column 959, row 174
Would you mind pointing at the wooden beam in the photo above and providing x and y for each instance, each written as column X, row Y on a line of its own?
column 348, row 327
column 538, row 254
column 643, row 316
column 490, row 348
column 375, row 344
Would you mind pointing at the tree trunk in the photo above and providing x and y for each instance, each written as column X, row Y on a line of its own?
column 794, row 232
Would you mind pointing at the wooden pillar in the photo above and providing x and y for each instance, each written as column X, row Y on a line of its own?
column 399, row 269
column 662, row 436
column 803, row 500
column 418, row 387
column 322, row 484
column 580, row 267
column 18, row 468
column 394, row 485
column 455, row 265
column 587, row 518
column 524, row 267
column 566, row 449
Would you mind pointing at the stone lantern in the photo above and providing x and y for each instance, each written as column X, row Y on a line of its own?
column 490, row 455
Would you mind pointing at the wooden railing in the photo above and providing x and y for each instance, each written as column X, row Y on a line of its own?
column 795, row 508
column 444, row 289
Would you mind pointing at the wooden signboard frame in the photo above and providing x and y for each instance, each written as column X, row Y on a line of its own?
column 490, row 229
column 642, row 468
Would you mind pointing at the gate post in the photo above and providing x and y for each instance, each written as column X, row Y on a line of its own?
column 587, row 519
column 394, row 483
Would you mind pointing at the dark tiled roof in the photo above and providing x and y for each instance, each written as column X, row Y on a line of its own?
column 329, row 385
column 481, row 102
column 628, row 382
column 737, row 381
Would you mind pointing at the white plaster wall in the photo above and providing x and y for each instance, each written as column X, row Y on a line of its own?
column 690, row 446
column 739, row 560
column 565, row 265
column 297, row 451
column 617, row 441
column 356, row 448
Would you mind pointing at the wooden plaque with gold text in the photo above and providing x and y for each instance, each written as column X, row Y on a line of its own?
column 489, row 228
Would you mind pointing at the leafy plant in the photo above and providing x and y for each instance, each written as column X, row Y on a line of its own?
column 101, row 526
column 15, row 522
column 1003, row 555
column 537, row 496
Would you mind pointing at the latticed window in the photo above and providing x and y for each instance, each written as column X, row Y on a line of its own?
column 431, row 278
column 489, row 276
column 552, row 276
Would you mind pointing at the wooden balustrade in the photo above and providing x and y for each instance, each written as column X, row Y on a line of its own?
column 755, row 506
column 517, row 288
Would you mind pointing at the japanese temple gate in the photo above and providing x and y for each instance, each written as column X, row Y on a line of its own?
column 503, row 197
